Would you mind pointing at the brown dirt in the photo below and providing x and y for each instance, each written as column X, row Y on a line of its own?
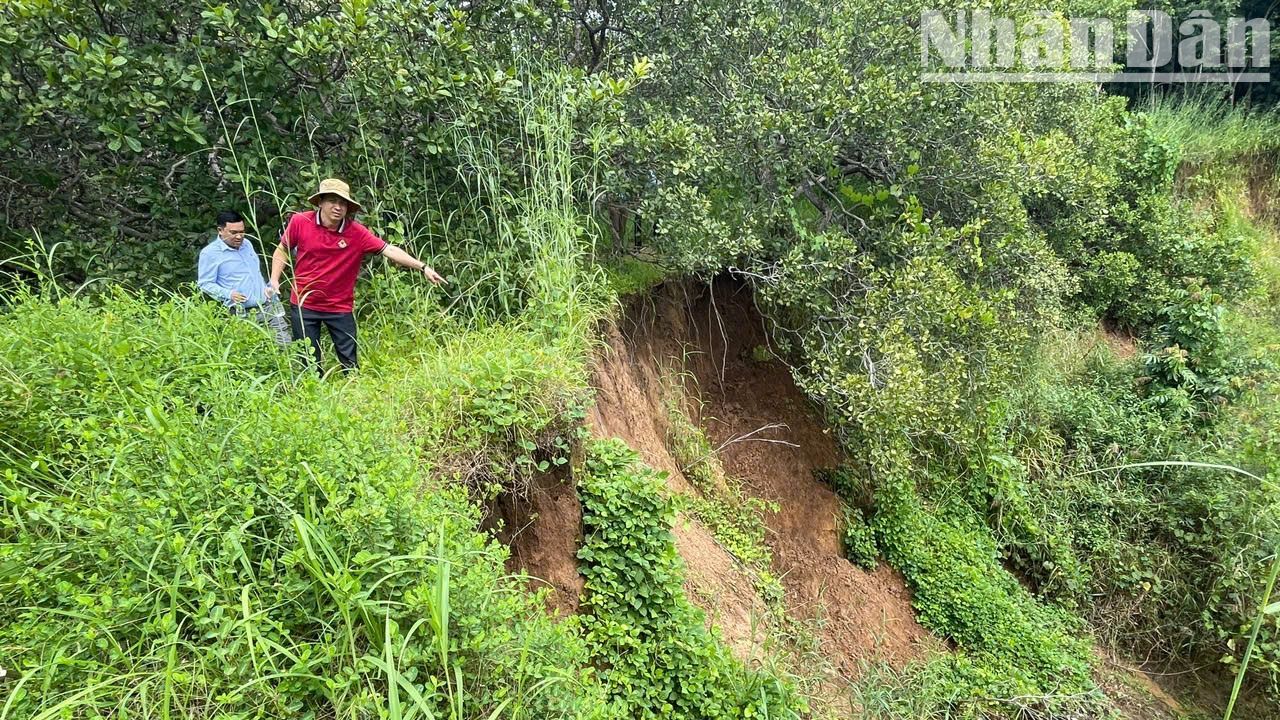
column 773, row 440
column 1122, row 343
column 719, row 585
column 629, row 405
column 544, row 532
column 1135, row 694
column 1177, row 691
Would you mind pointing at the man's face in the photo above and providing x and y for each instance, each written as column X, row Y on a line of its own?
column 333, row 210
column 232, row 234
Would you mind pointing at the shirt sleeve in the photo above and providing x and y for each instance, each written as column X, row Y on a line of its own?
column 287, row 238
column 369, row 243
column 207, row 278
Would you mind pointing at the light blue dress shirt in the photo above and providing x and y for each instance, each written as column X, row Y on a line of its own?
column 222, row 270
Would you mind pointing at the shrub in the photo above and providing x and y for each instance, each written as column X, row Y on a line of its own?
column 1165, row 560
column 857, row 539
column 1190, row 355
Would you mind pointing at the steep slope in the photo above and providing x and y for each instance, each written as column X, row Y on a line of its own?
column 544, row 531
column 772, row 439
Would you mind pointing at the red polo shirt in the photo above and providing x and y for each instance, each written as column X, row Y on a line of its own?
column 326, row 261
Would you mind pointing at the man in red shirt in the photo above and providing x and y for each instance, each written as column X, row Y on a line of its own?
column 329, row 245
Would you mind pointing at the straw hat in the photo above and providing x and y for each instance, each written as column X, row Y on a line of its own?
column 334, row 186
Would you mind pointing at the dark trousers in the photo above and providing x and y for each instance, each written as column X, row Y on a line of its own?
column 342, row 330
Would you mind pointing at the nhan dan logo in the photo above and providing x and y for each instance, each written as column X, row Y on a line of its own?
column 975, row 46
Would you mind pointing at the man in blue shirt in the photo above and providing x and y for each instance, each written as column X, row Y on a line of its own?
column 229, row 272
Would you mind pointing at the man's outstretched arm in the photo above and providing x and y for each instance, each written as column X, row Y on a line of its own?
column 404, row 259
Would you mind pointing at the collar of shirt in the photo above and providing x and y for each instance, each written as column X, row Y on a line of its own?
column 341, row 226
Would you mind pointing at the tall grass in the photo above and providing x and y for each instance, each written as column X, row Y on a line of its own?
column 193, row 527
column 1207, row 129
column 231, row 130
column 525, row 191
column 504, row 360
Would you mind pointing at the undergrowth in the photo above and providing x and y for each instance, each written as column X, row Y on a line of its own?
column 189, row 531
column 1009, row 646
column 656, row 656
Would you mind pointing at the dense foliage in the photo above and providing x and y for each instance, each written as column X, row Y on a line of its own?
column 915, row 245
column 190, row 529
column 130, row 126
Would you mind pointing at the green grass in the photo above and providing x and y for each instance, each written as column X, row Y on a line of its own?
column 193, row 525
column 628, row 276
column 1206, row 129
column 524, row 197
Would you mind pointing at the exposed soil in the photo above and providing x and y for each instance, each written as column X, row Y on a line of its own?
column 544, row 532
column 1135, row 694
column 716, row 582
column 1122, row 343
column 1180, row 691
column 773, row 440
column 629, row 405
